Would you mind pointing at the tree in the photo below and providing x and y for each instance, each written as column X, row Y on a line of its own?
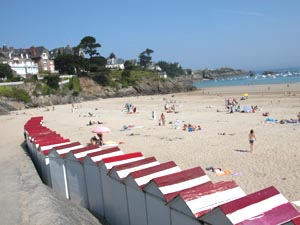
column 112, row 56
column 89, row 46
column 52, row 81
column 145, row 57
column 129, row 65
column 172, row 69
column 70, row 64
column 5, row 71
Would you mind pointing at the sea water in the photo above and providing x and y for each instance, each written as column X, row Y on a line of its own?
column 281, row 76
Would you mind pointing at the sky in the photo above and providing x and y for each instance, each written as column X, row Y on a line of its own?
column 198, row 34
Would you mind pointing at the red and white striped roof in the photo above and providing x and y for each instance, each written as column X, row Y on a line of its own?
column 141, row 177
column 36, row 130
column 108, row 163
column 81, row 153
column 47, row 145
column 267, row 206
column 42, row 134
column 121, row 171
column 167, row 187
column 47, row 137
column 65, row 148
column 33, row 121
column 203, row 198
column 96, row 157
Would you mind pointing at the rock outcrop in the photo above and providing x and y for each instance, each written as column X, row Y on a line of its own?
column 91, row 90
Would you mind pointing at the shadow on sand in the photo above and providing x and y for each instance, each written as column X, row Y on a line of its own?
column 242, row 150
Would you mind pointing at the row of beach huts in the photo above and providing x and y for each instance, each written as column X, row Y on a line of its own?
column 130, row 189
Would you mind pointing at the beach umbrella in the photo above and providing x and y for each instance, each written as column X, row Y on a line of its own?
column 245, row 94
column 101, row 130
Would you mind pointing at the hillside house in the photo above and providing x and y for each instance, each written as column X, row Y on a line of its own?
column 115, row 63
column 40, row 55
column 19, row 60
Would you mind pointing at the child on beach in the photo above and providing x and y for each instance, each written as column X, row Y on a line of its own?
column 252, row 138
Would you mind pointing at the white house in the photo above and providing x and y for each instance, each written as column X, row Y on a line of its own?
column 114, row 63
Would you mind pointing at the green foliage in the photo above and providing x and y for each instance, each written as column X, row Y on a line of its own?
column 89, row 46
column 21, row 95
column 42, row 89
column 74, row 85
column 97, row 64
column 145, row 57
column 70, row 64
column 16, row 93
column 52, row 81
column 112, row 55
column 5, row 71
column 172, row 69
column 129, row 65
column 5, row 91
column 65, row 64
column 101, row 78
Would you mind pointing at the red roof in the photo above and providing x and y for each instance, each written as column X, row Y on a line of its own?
column 250, row 199
column 69, row 145
column 134, row 164
column 199, row 191
column 104, row 152
column 122, row 157
column 154, row 169
column 179, row 177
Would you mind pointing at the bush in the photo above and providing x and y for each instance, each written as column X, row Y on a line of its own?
column 74, row 84
column 52, row 81
column 16, row 93
column 20, row 95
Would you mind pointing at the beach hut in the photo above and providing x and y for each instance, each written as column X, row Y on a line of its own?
column 93, row 179
column 33, row 122
column 57, row 167
column 96, row 167
column 161, row 190
column 195, row 202
column 118, row 188
column 135, row 182
column 31, row 136
column 267, row 206
column 31, row 132
column 43, row 142
column 75, row 174
column 34, row 130
column 105, row 165
column 42, row 160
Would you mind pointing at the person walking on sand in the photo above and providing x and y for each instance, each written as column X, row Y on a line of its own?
column 252, row 138
column 163, row 119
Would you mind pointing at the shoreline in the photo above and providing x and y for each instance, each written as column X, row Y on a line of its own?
column 254, row 88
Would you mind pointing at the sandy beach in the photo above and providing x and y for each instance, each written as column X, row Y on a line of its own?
column 275, row 160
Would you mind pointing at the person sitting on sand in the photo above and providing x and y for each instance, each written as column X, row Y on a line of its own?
column 100, row 140
column 94, row 141
column 266, row 114
column 190, row 128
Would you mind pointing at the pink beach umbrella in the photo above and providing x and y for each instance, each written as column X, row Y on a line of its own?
column 101, row 130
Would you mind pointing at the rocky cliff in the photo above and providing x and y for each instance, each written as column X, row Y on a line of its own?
column 91, row 90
